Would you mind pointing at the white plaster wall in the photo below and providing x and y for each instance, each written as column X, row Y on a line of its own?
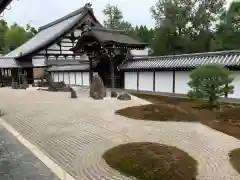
column 146, row 81
column 181, row 80
column 164, row 81
column 55, row 76
column 78, row 78
column 72, row 77
column 60, row 76
column 130, row 80
column 85, row 78
column 236, row 84
column 38, row 61
column 66, row 78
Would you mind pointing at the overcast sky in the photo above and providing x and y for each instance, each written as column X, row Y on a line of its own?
column 40, row 12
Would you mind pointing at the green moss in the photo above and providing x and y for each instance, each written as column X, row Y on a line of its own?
column 151, row 161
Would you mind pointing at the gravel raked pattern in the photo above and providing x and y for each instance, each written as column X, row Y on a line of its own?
column 76, row 132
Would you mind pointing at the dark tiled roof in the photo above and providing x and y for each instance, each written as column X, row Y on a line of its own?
column 8, row 63
column 108, row 36
column 224, row 58
column 4, row 4
column 49, row 33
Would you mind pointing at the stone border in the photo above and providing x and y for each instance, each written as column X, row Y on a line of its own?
column 56, row 169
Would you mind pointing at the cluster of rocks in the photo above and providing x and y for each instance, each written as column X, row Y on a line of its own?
column 6, row 81
column 124, row 96
column 52, row 86
column 59, row 87
column 23, row 85
column 98, row 90
column 41, row 83
column 16, row 85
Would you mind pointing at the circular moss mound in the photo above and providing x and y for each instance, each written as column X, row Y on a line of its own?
column 152, row 161
column 234, row 156
column 156, row 112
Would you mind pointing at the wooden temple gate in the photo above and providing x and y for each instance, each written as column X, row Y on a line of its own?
column 111, row 45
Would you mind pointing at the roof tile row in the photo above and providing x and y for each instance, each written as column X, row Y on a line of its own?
column 182, row 61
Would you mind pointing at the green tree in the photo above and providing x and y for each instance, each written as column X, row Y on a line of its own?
column 227, row 34
column 114, row 18
column 210, row 82
column 3, row 30
column 17, row 35
column 185, row 26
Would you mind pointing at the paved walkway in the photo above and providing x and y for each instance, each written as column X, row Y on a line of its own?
column 75, row 133
column 18, row 163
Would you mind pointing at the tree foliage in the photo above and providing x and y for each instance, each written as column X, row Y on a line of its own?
column 114, row 20
column 185, row 26
column 13, row 36
column 211, row 82
column 181, row 26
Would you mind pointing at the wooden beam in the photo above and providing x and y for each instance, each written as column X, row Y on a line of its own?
column 53, row 54
column 90, row 70
column 1, row 76
column 174, row 81
column 112, row 71
column 137, row 80
column 154, row 79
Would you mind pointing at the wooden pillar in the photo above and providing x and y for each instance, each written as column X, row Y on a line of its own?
column 19, row 73
column 137, row 80
column 90, row 68
column 154, row 80
column 173, row 83
column 1, row 76
column 112, row 70
column 226, row 94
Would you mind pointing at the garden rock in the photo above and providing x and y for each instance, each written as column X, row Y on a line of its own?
column 22, row 86
column 48, row 78
column 124, row 97
column 73, row 93
column 96, row 96
column 113, row 94
column 14, row 85
column 97, row 89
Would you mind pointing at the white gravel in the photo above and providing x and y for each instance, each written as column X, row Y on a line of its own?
column 75, row 132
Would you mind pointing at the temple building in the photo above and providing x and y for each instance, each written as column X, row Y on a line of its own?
column 76, row 46
column 52, row 49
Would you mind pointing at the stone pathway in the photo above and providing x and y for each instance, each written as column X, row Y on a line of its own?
column 76, row 132
column 18, row 163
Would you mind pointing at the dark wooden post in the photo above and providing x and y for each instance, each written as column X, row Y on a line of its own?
column 137, row 80
column 1, row 78
column 19, row 74
column 154, row 79
column 111, row 69
column 90, row 68
column 226, row 94
column 173, row 83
